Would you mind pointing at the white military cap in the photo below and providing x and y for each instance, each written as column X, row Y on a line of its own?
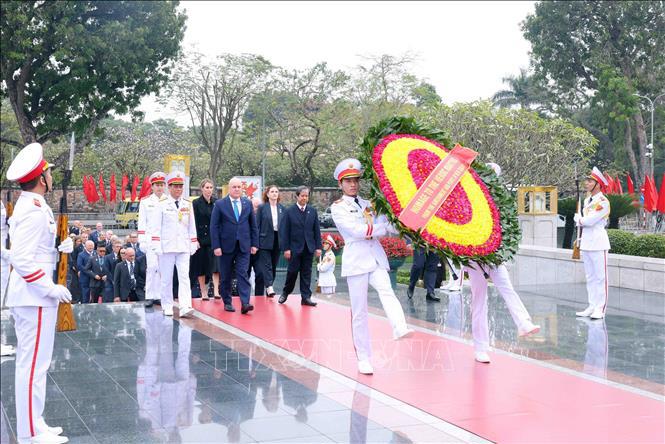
column 157, row 176
column 329, row 239
column 598, row 177
column 348, row 168
column 28, row 164
column 175, row 178
column 495, row 167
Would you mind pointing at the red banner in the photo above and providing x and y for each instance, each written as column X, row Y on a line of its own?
column 437, row 187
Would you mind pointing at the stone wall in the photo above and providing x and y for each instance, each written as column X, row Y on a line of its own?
column 541, row 265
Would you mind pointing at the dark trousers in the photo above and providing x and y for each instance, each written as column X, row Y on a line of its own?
column 426, row 262
column 85, row 291
column 255, row 263
column 95, row 293
column 268, row 262
column 73, row 285
column 241, row 262
column 299, row 263
column 133, row 296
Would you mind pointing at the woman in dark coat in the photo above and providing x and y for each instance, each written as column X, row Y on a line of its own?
column 204, row 263
column 269, row 217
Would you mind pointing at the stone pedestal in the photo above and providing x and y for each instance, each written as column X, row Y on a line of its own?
column 539, row 229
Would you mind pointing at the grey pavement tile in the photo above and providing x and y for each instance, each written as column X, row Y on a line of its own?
column 91, row 390
column 122, row 428
column 265, row 429
column 111, row 405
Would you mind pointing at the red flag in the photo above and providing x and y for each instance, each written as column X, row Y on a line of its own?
column 631, row 185
column 112, row 190
column 102, row 187
column 654, row 193
column 649, row 200
column 94, row 197
column 145, row 188
column 135, row 185
column 123, row 186
column 610, row 184
column 617, row 182
column 661, row 197
column 85, row 189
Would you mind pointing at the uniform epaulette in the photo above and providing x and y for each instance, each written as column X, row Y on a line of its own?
column 187, row 199
column 338, row 201
column 37, row 202
column 163, row 198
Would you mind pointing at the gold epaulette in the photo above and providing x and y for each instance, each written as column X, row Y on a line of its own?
column 163, row 198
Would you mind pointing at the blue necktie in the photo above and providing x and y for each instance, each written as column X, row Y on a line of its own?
column 235, row 210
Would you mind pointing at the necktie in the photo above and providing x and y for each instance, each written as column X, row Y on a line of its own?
column 131, row 269
column 302, row 210
column 235, row 210
column 177, row 204
column 355, row 199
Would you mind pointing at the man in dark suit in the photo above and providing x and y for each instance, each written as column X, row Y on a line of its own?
column 81, row 261
column 98, row 234
column 129, row 278
column 300, row 238
column 134, row 243
column 96, row 272
column 234, row 236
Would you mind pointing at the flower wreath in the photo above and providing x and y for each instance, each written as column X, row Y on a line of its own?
column 478, row 221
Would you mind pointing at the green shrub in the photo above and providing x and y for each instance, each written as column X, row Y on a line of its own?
column 620, row 241
column 648, row 245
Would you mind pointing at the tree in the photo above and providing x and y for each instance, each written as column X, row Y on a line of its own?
column 305, row 119
column 215, row 94
column 66, row 65
column 532, row 150
column 522, row 91
column 575, row 43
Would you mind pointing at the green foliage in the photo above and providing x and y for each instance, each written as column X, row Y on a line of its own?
column 522, row 91
column 645, row 245
column 567, row 207
column 504, row 200
column 620, row 241
column 649, row 245
column 532, row 150
column 67, row 65
column 621, row 205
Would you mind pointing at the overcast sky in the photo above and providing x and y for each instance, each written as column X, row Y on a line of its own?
column 464, row 48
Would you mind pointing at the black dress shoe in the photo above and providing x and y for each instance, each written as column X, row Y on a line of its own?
column 431, row 297
column 308, row 302
column 150, row 302
column 246, row 308
column 282, row 298
column 229, row 307
column 271, row 295
column 409, row 292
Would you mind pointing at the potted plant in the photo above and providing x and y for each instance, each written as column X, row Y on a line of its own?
column 397, row 251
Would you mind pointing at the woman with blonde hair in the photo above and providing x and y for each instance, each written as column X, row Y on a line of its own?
column 269, row 217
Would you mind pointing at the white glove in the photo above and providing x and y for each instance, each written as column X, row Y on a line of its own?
column 66, row 246
column 156, row 248
column 577, row 218
column 61, row 293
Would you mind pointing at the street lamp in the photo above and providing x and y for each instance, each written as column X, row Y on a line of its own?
column 652, row 106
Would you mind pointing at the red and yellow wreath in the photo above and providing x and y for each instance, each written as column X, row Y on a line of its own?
column 477, row 221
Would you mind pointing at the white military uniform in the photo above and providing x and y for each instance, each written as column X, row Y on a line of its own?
column 4, row 257
column 326, row 268
column 175, row 235
column 501, row 280
column 32, row 294
column 594, row 246
column 364, row 262
column 148, row 215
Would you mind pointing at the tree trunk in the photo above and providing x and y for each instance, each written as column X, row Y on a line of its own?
column 614, row 223
column 628, row 146
column 641, row 142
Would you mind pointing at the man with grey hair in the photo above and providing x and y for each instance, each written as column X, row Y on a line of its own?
column 234, row 235
column 81, row 261
column 300, row 238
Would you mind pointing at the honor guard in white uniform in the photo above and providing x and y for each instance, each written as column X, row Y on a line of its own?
column 32, row 295
column 148, row 209
column 594, row 244
column 478, row 276
column 364, row 261
column 5, row 349
column 326, row 267
column 174, row 240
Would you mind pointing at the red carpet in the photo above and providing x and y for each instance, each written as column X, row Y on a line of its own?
column 509, row 400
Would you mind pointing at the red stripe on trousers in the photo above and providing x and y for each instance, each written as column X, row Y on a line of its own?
column 606, row 283
column 32, row 370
